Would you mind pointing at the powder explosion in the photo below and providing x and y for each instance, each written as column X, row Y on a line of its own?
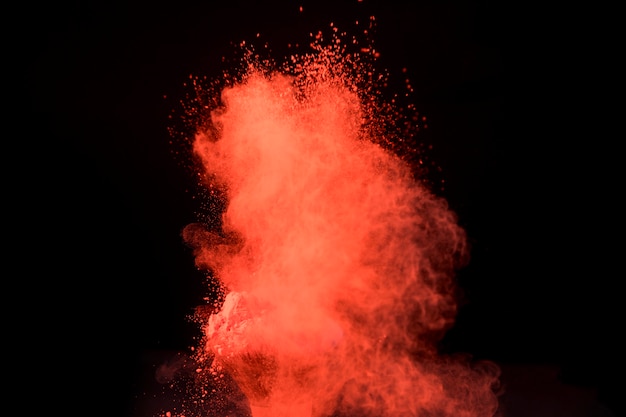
column 337, row 263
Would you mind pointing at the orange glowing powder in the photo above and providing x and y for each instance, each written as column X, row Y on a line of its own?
column 338, row 263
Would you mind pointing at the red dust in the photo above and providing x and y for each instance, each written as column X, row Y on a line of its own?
column 338, row 263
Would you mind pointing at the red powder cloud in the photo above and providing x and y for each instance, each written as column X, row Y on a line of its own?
column 338, row 263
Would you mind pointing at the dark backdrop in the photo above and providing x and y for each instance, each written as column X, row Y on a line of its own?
column 513, row 129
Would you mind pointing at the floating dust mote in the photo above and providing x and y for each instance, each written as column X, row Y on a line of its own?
column 337, row 262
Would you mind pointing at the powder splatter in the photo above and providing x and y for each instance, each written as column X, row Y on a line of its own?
column 336, row 261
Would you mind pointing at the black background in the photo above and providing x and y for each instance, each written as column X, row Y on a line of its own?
column 514, row 129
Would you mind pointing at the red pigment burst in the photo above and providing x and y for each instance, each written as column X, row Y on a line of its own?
column 337, row 262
